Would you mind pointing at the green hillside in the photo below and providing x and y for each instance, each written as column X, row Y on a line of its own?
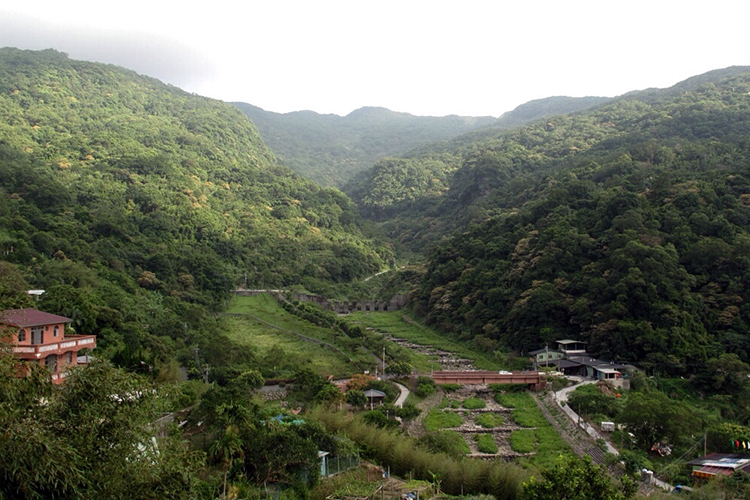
column 331, row 149
column 138, row 206
column 626, row 226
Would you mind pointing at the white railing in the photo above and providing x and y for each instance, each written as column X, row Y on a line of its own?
column 71, row 342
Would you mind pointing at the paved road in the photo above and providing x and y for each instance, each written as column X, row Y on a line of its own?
column 402, row 397
column 561, row 397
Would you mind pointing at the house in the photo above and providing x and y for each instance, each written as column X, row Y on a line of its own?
column 39, row 337
column 606, row 371
column 719, row 464
column 571, row 358
column 569, row 347
column 542, row 357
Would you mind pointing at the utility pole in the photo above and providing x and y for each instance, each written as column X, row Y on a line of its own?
column 384, row 360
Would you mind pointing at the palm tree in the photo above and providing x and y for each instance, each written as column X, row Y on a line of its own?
column 226, row 450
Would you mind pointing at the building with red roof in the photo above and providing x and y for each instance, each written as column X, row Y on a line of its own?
column 39, row 337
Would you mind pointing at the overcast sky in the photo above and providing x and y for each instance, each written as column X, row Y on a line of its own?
column 421, row 57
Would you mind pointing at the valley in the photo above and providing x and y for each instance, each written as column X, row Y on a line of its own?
column 134, row 211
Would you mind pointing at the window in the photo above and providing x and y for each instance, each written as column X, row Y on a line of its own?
column 70, row 357
column 56, row 331
column 37, row 336
column 22, row 335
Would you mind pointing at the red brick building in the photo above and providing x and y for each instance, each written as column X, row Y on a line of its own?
column 39, row 337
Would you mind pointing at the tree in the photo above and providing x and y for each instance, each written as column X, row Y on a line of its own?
column 89, row 438
column 356, row 398
column 329, row 395
column 226, row 450
column 574, row 479
column 13, row 287
column 401, row 368
column 652, row 416
column 726, row 374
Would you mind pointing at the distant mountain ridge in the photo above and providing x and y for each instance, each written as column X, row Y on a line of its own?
column 332, row 149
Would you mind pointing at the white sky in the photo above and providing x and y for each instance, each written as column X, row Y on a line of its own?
column 469, row 57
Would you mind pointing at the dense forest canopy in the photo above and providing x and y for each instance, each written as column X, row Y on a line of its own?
column 626, row 225
column 133, row 202
column 332, row 150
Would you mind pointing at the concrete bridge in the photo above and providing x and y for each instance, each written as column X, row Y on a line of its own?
column 532, row 379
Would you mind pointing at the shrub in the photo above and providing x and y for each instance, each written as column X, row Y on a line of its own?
column 450, row 387
column 408, row 411
column 474, row 403
column 489, row 420
column 401, row 369
column 424, row 390
column 380, row 419
column 437, row 419
column 486, row 443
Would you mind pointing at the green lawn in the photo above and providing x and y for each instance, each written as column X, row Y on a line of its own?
column 401, row 325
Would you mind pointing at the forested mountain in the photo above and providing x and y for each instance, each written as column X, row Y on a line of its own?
column 331, row 149
column 138, row 206
column 627, row 226
column 426, row 171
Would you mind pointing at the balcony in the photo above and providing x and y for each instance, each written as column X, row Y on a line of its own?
column 68, row 343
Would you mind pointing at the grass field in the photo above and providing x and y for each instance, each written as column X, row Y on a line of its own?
column 298, row 353
column 401, row 325
column 489, row 420
column 523, row 440
column 486, row 443
column 438, row 419
column 474, row 403
column 541, row 437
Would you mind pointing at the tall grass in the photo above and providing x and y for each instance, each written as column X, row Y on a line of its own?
column 390, row 448
column 400, row 324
